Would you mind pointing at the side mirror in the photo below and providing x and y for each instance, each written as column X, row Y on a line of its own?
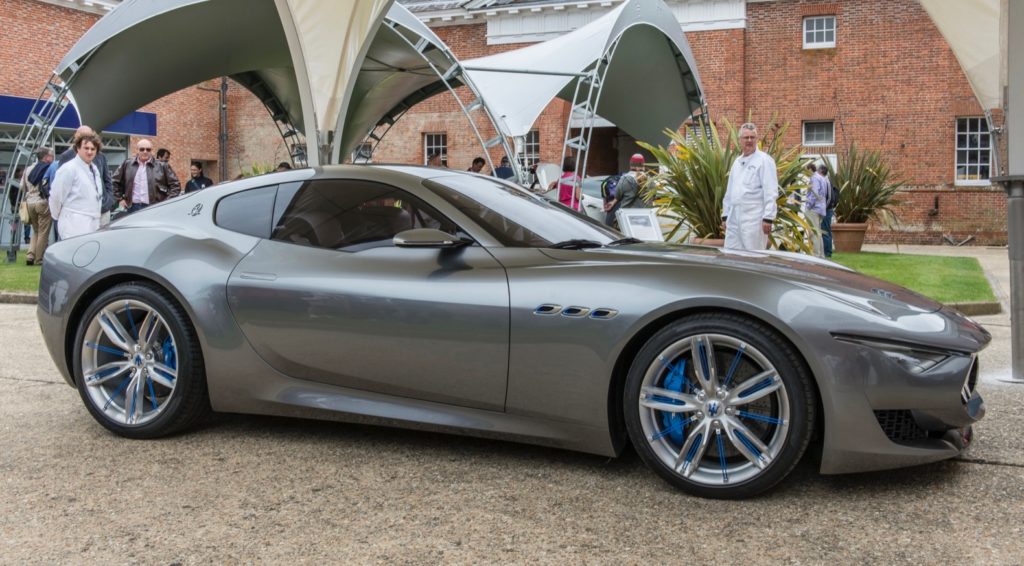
column 428, row 238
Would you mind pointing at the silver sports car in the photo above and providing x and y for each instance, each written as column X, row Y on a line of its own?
column 454, row 302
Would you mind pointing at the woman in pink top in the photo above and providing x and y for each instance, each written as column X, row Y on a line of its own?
column 568, row 185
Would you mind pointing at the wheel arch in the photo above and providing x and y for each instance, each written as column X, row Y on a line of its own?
column 616, row 390
column 105, row 281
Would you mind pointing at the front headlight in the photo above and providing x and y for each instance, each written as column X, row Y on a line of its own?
column 914, row 359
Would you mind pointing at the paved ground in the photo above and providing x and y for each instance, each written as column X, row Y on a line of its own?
column 252, row 489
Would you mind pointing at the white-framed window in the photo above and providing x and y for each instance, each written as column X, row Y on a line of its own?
column 819, row 133
column 819, row 32
column 973, row 151
column 529, row 153
column 435, row 143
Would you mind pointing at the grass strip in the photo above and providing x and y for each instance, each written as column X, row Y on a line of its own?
column 18, row 277
column 943, row 278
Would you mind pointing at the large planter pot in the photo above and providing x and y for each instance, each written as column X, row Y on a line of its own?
column 848, row 237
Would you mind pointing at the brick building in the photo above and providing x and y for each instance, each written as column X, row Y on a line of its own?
column 872, row 72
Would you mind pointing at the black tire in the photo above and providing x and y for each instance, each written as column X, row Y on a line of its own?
column 111, row 349
column 761, row 427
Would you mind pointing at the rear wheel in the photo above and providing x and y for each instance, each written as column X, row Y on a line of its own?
column 137, row 363
column 719, row 405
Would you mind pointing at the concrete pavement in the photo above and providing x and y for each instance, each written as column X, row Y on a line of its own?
column 246, row 489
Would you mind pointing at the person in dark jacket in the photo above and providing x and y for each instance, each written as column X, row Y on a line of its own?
column 198, row 181
column 144, row 180
column 504, row 170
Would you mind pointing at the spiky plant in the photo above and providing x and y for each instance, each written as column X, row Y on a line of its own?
column 259, row 168
column 695, row 173
column 867, row 187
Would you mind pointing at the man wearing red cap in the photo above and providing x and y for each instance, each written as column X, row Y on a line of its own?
column 627, row 191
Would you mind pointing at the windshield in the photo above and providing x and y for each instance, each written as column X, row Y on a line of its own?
column 514, row 216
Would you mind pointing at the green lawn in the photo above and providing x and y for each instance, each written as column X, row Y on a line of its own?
column 945, row 279
column 18, row 277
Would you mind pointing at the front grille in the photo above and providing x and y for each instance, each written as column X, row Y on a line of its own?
column 970, row 383
column 900, row 426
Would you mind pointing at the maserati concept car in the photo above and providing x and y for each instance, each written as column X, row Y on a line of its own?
column 454, row 302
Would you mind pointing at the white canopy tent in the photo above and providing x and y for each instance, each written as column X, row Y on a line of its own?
column 651, row 81
column 336, row 70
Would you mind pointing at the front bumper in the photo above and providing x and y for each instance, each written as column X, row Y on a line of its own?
column 884, row 418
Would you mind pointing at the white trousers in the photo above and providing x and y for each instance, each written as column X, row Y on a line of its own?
column 71, row 224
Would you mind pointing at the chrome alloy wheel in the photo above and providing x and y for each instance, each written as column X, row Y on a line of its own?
column 129, row 362
column 714, row 410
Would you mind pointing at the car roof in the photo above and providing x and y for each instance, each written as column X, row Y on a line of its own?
column 418, row 171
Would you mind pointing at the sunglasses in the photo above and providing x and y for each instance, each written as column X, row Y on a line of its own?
column 145, row 149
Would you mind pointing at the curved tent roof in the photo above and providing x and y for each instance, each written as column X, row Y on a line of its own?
column 651, row 83
column 333, row 70
column 113, row 69
column 298, row 56
column 394, row 75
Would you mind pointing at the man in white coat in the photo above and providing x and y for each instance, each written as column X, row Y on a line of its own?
column 749, row 207
column 76, row 195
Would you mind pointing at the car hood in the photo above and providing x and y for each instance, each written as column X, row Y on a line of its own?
column 830, row 278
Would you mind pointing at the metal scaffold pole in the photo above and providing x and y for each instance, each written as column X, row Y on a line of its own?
column 1014, row 183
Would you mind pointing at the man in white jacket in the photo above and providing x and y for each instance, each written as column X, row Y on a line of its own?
column 749, row 207
column 76, row 195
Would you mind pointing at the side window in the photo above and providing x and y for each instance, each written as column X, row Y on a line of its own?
column 353, row 215
column 248, row 212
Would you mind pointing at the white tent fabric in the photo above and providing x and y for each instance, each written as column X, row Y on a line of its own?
column 651, row 48
column 331, row 39
column 973, row 30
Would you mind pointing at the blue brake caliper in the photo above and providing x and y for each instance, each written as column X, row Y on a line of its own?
column 169, row 355
column 674, row 381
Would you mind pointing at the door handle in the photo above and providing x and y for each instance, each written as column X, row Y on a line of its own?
column 258, row 276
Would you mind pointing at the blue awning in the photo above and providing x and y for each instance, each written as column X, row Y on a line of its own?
column 16, row 109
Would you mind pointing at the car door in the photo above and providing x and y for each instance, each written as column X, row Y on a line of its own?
column 329, row 298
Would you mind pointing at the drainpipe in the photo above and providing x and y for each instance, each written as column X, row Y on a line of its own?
column 223, row 137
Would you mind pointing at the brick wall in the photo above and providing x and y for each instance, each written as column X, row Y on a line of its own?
column 891, row 83
column 253, row 139
column 719, row 56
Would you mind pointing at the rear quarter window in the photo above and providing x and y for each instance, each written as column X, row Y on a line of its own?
column 248, row 212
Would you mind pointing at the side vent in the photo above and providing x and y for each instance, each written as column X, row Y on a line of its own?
column 575, row 312
column 603, row 313
column 548, row 309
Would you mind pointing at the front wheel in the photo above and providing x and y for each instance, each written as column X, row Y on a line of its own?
column 137, row 363
column 719, row 405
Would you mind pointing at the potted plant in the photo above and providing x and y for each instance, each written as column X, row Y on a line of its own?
column 694, row 174
column 867, row 191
